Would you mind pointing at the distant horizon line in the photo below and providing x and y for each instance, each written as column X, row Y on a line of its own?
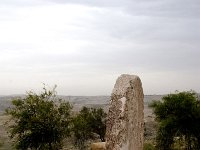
column 1, row 95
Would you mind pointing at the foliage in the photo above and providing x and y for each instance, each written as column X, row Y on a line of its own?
column 179, row 117
column 81, row 128
column 39, row 121
column 98, row 122
column 88, row 122
column 148, row 146
column 1, row 144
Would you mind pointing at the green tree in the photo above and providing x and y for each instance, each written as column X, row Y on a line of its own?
column 98, row 122
column 178, row 116
column 81, row 128
column 39, row 122
column 88, row 122
column 148, row 146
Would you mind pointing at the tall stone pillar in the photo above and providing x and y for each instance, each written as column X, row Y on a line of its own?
column 125, row 122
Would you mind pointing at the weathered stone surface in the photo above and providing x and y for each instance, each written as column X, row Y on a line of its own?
column 125, row 122
column 98, row 146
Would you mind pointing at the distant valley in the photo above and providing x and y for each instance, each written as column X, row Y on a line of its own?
column 78, row 101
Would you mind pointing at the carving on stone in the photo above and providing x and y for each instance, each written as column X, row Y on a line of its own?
column 125, row 121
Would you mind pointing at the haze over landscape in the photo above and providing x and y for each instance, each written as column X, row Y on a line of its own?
column 83, row 46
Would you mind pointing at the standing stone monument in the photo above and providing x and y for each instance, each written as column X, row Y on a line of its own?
column 125, row 122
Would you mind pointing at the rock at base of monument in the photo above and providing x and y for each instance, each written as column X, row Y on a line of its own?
column 125, row 120
column 98, row 146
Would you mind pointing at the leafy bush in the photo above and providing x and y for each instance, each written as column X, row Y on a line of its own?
column 1, row 143
column 39, row 121
column 148, row 146
column 179, row 117
column 88, row 122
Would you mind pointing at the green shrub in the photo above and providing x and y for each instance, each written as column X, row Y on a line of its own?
column 149, row 146
column 1, row 143
column 38, row 122
column 88, row 122
column 178, row 116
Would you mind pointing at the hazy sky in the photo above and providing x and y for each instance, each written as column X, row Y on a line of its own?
column 84, row 45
